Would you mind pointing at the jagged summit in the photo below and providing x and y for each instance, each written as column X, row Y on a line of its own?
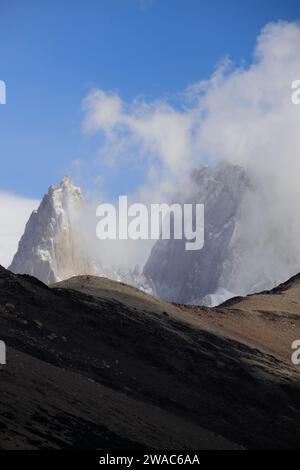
column 65, row 191
column 192, row 277
column 51, row 248
column 54, row 248
column 66, row 182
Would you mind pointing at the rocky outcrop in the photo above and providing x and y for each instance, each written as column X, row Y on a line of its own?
column 52, row 248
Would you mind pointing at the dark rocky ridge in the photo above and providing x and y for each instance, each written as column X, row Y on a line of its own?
column 94, row 363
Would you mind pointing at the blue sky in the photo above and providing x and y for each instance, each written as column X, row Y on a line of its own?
column 53, row 53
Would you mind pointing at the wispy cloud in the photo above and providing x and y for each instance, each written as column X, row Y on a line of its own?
column 242, row 114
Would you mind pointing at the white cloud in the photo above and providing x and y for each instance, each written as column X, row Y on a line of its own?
column 153, row 131
column 14, row 213
column 238, row 114
column 242, row 114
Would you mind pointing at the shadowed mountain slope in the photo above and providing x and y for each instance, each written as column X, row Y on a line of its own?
column 94, row 363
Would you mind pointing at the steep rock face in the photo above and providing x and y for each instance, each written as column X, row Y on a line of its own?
column 188, row 276
column 51, row 248
column 54, row 244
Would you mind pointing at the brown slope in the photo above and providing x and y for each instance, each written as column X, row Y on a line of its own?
column 268, row 321
column 219, row 321
column 166, row 381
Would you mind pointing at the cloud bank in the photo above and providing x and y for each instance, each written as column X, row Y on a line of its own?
column 241, row 114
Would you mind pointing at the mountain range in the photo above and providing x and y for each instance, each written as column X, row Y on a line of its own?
column 240, row 256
